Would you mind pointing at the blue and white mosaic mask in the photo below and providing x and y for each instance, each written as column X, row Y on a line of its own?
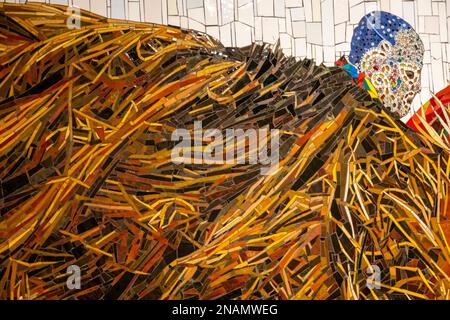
column 390, row 54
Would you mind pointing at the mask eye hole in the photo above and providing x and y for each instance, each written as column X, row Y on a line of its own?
column 410, row 74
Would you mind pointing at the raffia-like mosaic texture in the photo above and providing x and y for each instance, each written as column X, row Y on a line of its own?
column 85, row 123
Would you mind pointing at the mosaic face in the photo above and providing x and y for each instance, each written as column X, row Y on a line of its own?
column 395, row 71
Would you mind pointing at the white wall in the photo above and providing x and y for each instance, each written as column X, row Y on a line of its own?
column 318, row 29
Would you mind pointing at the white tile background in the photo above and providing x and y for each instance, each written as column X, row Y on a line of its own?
column 318, row 29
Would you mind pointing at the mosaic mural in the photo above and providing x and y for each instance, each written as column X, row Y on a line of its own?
column 317, row 29
column 147, row 161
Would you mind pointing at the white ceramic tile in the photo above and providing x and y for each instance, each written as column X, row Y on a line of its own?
column 246, row 14
column 243, row 34
column 270, row 30
column 118, row 9
column 211, row 14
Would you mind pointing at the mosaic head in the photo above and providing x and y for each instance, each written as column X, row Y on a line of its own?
column 390, row 54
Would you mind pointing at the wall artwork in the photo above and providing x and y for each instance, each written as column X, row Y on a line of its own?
column 224, row 149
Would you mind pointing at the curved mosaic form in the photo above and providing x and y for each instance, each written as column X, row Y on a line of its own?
column 88, row 183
